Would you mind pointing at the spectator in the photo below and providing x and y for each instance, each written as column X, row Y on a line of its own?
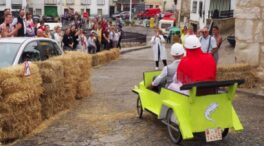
column 99, row 36
column 159, row 49
column 114, row 37
column 21, row 24
column 58, row 35
column 75, row 35
column 208, row 42
column 106, row 39
column 121, row 33
column 48, row 32
column 67, row 40
column 40, row 33
column 42, row 25
column 7, row 30
column 219, row 41
column 30, row 25
column 83, row 41
column 91, row 43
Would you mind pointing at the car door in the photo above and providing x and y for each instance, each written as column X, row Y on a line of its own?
column 48, row 49
column 30, row 52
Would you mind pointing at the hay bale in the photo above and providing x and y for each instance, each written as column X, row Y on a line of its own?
column 237, row 72
column 102, row 58
column 95, row 60
column 83, row 62
column 233, row 68
column 20, row 108
column 115, row 53
column 53, row 99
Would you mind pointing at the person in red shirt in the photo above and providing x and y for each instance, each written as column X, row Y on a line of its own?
column 196, row 66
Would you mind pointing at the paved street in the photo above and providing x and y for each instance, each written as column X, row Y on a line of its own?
column 109, row 116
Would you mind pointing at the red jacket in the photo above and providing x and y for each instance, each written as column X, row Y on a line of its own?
column 196, row 66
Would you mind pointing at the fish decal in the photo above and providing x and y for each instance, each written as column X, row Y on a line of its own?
column 209, row 110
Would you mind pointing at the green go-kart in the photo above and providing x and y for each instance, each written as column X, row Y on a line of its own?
column 207, row 109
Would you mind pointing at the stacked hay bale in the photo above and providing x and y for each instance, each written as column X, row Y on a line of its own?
column 105, row 56
column 83, row 62
column 53, row 99
column 20, row 109
column 70, row 78
column 236, row 72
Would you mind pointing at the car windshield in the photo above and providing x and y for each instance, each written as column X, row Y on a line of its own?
column 8, row 53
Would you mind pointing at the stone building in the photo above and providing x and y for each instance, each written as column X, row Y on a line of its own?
column 249, row 31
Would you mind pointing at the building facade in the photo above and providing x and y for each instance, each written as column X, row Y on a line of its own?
column 57, row 7
column 14, row 5
column 202, row 11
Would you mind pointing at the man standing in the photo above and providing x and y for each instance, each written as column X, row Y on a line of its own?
column 21, row 24
column 208, row 42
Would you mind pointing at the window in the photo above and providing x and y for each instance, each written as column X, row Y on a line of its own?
column 100, row 12
column 38, row 12
column 2, row 2
column 200, row 9
column 100, row 2
column 8, row 53
column 17, row 2
column 30, row 53
column 40, row 50
column 194, row 7
column 157, row 6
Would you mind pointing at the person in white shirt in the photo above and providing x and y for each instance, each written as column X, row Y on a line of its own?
column 208, row 42
column 159, row 50
column 114, row 37
column 91, row 43
column 58, row 35
column 168, row 73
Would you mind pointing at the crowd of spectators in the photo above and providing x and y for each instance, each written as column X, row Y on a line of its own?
column 74, row 32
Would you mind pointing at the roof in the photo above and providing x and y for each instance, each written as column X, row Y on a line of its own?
column 14, row 39
column 21, row 39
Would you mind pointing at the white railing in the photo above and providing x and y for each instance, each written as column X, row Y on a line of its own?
column 69, row 2
column 50, row 2
column 100, row 2
column 18, row 2
column 86, row 2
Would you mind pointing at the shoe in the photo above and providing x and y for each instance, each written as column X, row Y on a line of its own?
column 156, row 68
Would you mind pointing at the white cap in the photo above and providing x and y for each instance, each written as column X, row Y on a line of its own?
column 177, row 49
column 191, row 42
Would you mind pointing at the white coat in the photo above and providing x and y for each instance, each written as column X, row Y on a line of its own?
column 158, row 43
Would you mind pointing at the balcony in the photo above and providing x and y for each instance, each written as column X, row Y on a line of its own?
column 16, row 2
column 216, row 14
column 70, row 2
column 100, row 2
column 50, row 2
column 86, row 2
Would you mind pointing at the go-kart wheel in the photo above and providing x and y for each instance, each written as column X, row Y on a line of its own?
column 225, row 132
column 139, row 108
column 173, row 128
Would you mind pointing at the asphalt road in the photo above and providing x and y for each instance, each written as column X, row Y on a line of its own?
column 109, row 116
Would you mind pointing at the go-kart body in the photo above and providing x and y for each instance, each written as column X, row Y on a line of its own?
column 192, row 113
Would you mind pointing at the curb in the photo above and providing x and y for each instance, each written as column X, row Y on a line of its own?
column 250, row 93
column 127, row 50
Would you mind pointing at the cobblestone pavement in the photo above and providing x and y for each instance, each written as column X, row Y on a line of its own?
column 109, row 116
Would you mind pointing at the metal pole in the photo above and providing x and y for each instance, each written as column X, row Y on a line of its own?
column 130, row 11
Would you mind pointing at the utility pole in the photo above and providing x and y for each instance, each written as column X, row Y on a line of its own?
column 130, row 11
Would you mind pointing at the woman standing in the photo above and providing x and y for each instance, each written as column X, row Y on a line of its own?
column 30, row 26
column 58, row 35
column 67, row 40
column 83, row 41
column 159, row 49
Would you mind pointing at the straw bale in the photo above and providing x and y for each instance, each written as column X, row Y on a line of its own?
column 84, row 89
column 233, row 68
column 95, row 60
column 19, row 108
column 115, row 53
column 102, row 58
column 250, row 79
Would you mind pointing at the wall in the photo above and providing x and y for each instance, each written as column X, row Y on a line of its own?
column 249, row 31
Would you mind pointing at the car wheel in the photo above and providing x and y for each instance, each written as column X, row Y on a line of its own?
column 225, row 132
column 173, row 128
column 139, row 108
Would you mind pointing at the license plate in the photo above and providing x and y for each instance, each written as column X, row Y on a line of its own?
column 213, row 134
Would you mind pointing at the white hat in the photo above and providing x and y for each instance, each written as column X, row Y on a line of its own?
column 177, row 49
column 191, row 42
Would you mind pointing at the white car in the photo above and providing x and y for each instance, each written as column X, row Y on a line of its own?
column 20, row 49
